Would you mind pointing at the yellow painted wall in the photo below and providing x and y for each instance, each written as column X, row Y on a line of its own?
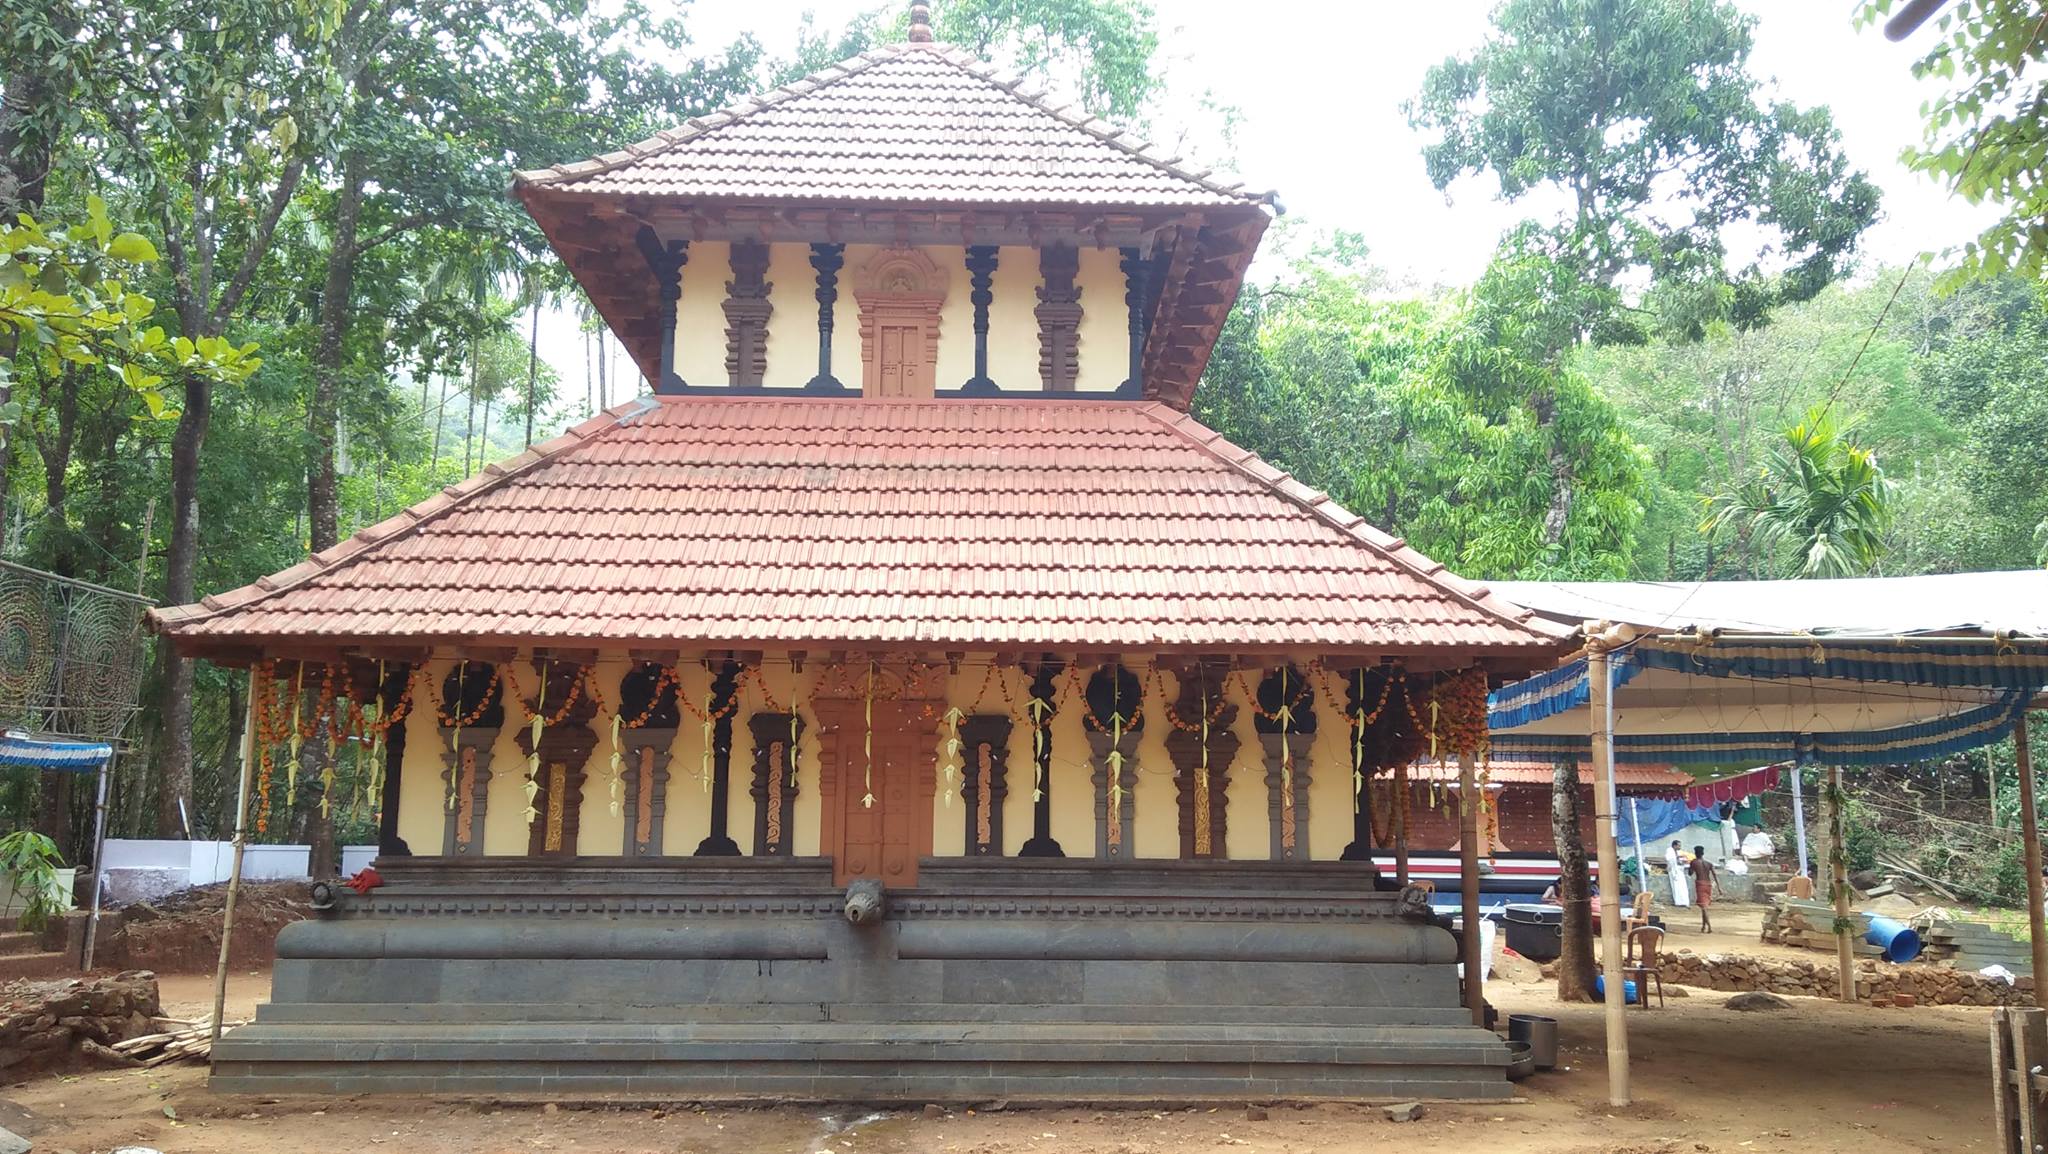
column 793, row 327
column 700, row 315
column 1155, row 830
column 1105, row 321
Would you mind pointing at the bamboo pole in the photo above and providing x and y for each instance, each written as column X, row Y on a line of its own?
column 2030, row 828
column 1469, row 802
column 1602, row 713
column 227, row 917
column 99, row 859
column 1838, row 853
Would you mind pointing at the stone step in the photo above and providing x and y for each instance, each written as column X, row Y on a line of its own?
column 43, row 964
column 876, row 1062
column 18, row 942
column 854, row 1013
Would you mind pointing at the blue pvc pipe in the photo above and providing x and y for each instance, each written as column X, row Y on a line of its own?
column 1900, row 942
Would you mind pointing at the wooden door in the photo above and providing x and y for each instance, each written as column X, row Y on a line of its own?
column 902, row 365
column 877, row 794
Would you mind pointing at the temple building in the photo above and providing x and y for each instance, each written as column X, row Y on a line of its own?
column 907, row 699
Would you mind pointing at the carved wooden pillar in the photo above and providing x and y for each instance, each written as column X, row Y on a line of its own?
column 647, row 751
column 647, row 699
column 1059, row 318
column 827, row 259
column 1361, row 692
column 1115, row 702
column 747, row 309
column 985, row 746
column 564, row 749
column 777, row 737
column 1039, row 710
column 724, row 687
column 1136, row 275
column 471, row 694
column 981, row 271
column 667, row 262
column 1201, row 771
column 388, row 692
column 1287, row 728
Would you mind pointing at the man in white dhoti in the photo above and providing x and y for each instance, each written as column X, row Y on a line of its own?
column 1674, row 867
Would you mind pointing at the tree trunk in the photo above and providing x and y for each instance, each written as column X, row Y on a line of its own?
column 469, row 417
column 181, row 583
column 323, row 502
column 1574, row 888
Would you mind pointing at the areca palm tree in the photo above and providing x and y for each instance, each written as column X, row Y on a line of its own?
column 1820, row 497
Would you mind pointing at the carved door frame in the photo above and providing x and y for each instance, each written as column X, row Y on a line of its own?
column 842, row 726
column 899, row 288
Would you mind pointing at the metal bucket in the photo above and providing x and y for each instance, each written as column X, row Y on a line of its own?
column 1521, row 1063
column 1541, row 1034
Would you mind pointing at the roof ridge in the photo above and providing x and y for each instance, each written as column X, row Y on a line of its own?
column 1395, row 549
column 1012, row 85
column 410, row 518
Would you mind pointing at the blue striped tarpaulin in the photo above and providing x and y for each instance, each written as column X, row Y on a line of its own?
column 19, row 749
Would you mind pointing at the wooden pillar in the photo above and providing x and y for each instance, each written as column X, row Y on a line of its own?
column 1400, row 819
column 724, row 686
column 1469, row 802
column 1602, row 716
column 2030, row 828
column 1136, row 275
column 1838, row 856
column 747, row 312
column 667, row 262
column 247, row 756
column 1059, row 318
column 1039, row 710
column 827, row 259
column 388, row 695
column 981, row 271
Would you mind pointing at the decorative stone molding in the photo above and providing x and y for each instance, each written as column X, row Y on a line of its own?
column 985, row 747
column 747, row 309
column 1199, row 787
column 899, row 288
column 1059, row 318
column 777, row 737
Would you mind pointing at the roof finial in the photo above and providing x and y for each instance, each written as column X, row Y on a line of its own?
column 920, row 22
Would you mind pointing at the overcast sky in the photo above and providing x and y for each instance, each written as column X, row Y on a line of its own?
column 1319, row 88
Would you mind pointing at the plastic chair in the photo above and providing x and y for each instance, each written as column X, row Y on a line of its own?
column 1639, row 917
column 1640, row 963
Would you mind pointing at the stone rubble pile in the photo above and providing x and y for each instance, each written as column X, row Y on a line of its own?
column 55, row 1023
column 1877, row 983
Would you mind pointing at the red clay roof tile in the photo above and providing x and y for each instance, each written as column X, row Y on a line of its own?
column 761, row 521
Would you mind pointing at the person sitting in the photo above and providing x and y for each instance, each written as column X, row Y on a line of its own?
column 1551, row 896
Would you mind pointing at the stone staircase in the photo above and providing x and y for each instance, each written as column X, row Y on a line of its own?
column 51, row 953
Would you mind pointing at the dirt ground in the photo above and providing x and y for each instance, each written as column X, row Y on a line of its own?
column 1819, row 1078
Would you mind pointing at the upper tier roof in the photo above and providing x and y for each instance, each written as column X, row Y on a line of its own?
column 907, row 144
column 760, row 522
column 917, row 124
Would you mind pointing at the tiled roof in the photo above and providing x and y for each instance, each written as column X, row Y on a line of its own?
column 1637, row 778
column 951, row 524
column 910, row 123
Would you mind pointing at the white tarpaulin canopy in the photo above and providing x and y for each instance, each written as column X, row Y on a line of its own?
column 1860, row 671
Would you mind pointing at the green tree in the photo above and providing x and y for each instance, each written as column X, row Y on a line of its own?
column 1821, row 501
column 1987, row 136
column 1644, row 117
